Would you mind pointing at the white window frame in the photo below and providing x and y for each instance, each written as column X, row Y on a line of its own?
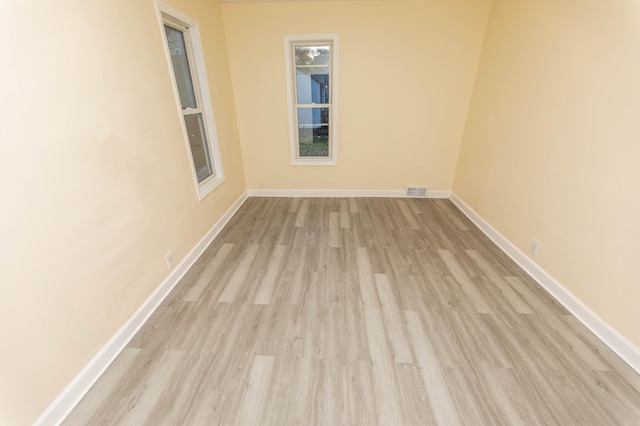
column 169, row 15
column 289, row 41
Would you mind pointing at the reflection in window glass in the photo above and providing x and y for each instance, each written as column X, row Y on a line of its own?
column 313, row 85
column 199, row 147
column 180, row 64
column 313, row 55
column 313, row 132
column 313, row 140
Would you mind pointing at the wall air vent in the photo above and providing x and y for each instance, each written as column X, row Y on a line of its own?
column 416, row 191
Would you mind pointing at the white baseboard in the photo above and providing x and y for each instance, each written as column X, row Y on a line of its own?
column 611, row 337
column 73, row 393
column 438, row 194
column 340, row 193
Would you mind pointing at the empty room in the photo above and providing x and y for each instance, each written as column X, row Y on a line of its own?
column 348, row 212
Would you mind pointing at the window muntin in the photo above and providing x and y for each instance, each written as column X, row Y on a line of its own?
column 186, row 60
column 311, row 69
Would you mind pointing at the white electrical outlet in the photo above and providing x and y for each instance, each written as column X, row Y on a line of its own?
column 169, row 259
column 534, row 247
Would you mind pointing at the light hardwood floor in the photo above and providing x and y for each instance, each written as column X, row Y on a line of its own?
column 360, row 312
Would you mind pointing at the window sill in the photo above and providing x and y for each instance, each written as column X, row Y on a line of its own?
column 314, row 162
column 206, row 187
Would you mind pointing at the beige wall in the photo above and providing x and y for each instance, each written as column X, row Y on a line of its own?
column 96, row 183
column 551, row 145
column 406, row 74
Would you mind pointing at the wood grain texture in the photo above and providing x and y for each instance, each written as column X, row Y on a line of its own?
column 267, row 285
column 239, row 274
column 256, row 392
column 394, row 324
column 360, row 311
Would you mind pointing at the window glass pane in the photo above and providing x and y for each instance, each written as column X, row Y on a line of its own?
column 312, row 55
column 313, row 132
column 180, row 63
column 313, row 140
column 199, row 147
column 312, row 74
column 313, row 115
column 312, row 85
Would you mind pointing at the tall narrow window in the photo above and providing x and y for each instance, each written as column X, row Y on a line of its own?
column 312, row 75
column 187, row 65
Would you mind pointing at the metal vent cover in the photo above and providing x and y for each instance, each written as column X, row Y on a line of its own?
column 416, row 191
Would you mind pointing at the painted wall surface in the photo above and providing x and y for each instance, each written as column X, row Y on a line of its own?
column 551, row 144
column 406, row 73
column 96, row 182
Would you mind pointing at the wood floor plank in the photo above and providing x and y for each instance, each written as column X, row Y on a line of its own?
column 334, row 229
column 629, row 380
column 619, row 394
column 393, row 319
column 267, row 285
column 508, row 409
column 153, row 388
column 302, row 213
column 514, row 402
column 294, row 203
column 365, row 279
column 335, row 399
column 530, row 359
column 468, row 286
column 408, row 214
column 239, row 274
column 385, row 383
column 357, row 344
column 451, row 214
column 515, row 300
column 314, row 317
column 104, row 388
column 297, row 282
column 184, row 393
column 415, row 401
column 563, row 337
column 280, row 393
column 345, row 215
column 255, row 394
column 353, row 205
column 540, row 301
column 360, row 311
column 432, row 372
column 207, row 274
column 307, row 408
column 471, row 398
column 364, row 410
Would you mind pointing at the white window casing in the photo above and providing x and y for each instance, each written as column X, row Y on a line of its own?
column 303, row 105
column 196, row 117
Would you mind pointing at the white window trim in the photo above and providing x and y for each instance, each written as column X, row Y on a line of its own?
column 295, row 159
column 199, row 75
